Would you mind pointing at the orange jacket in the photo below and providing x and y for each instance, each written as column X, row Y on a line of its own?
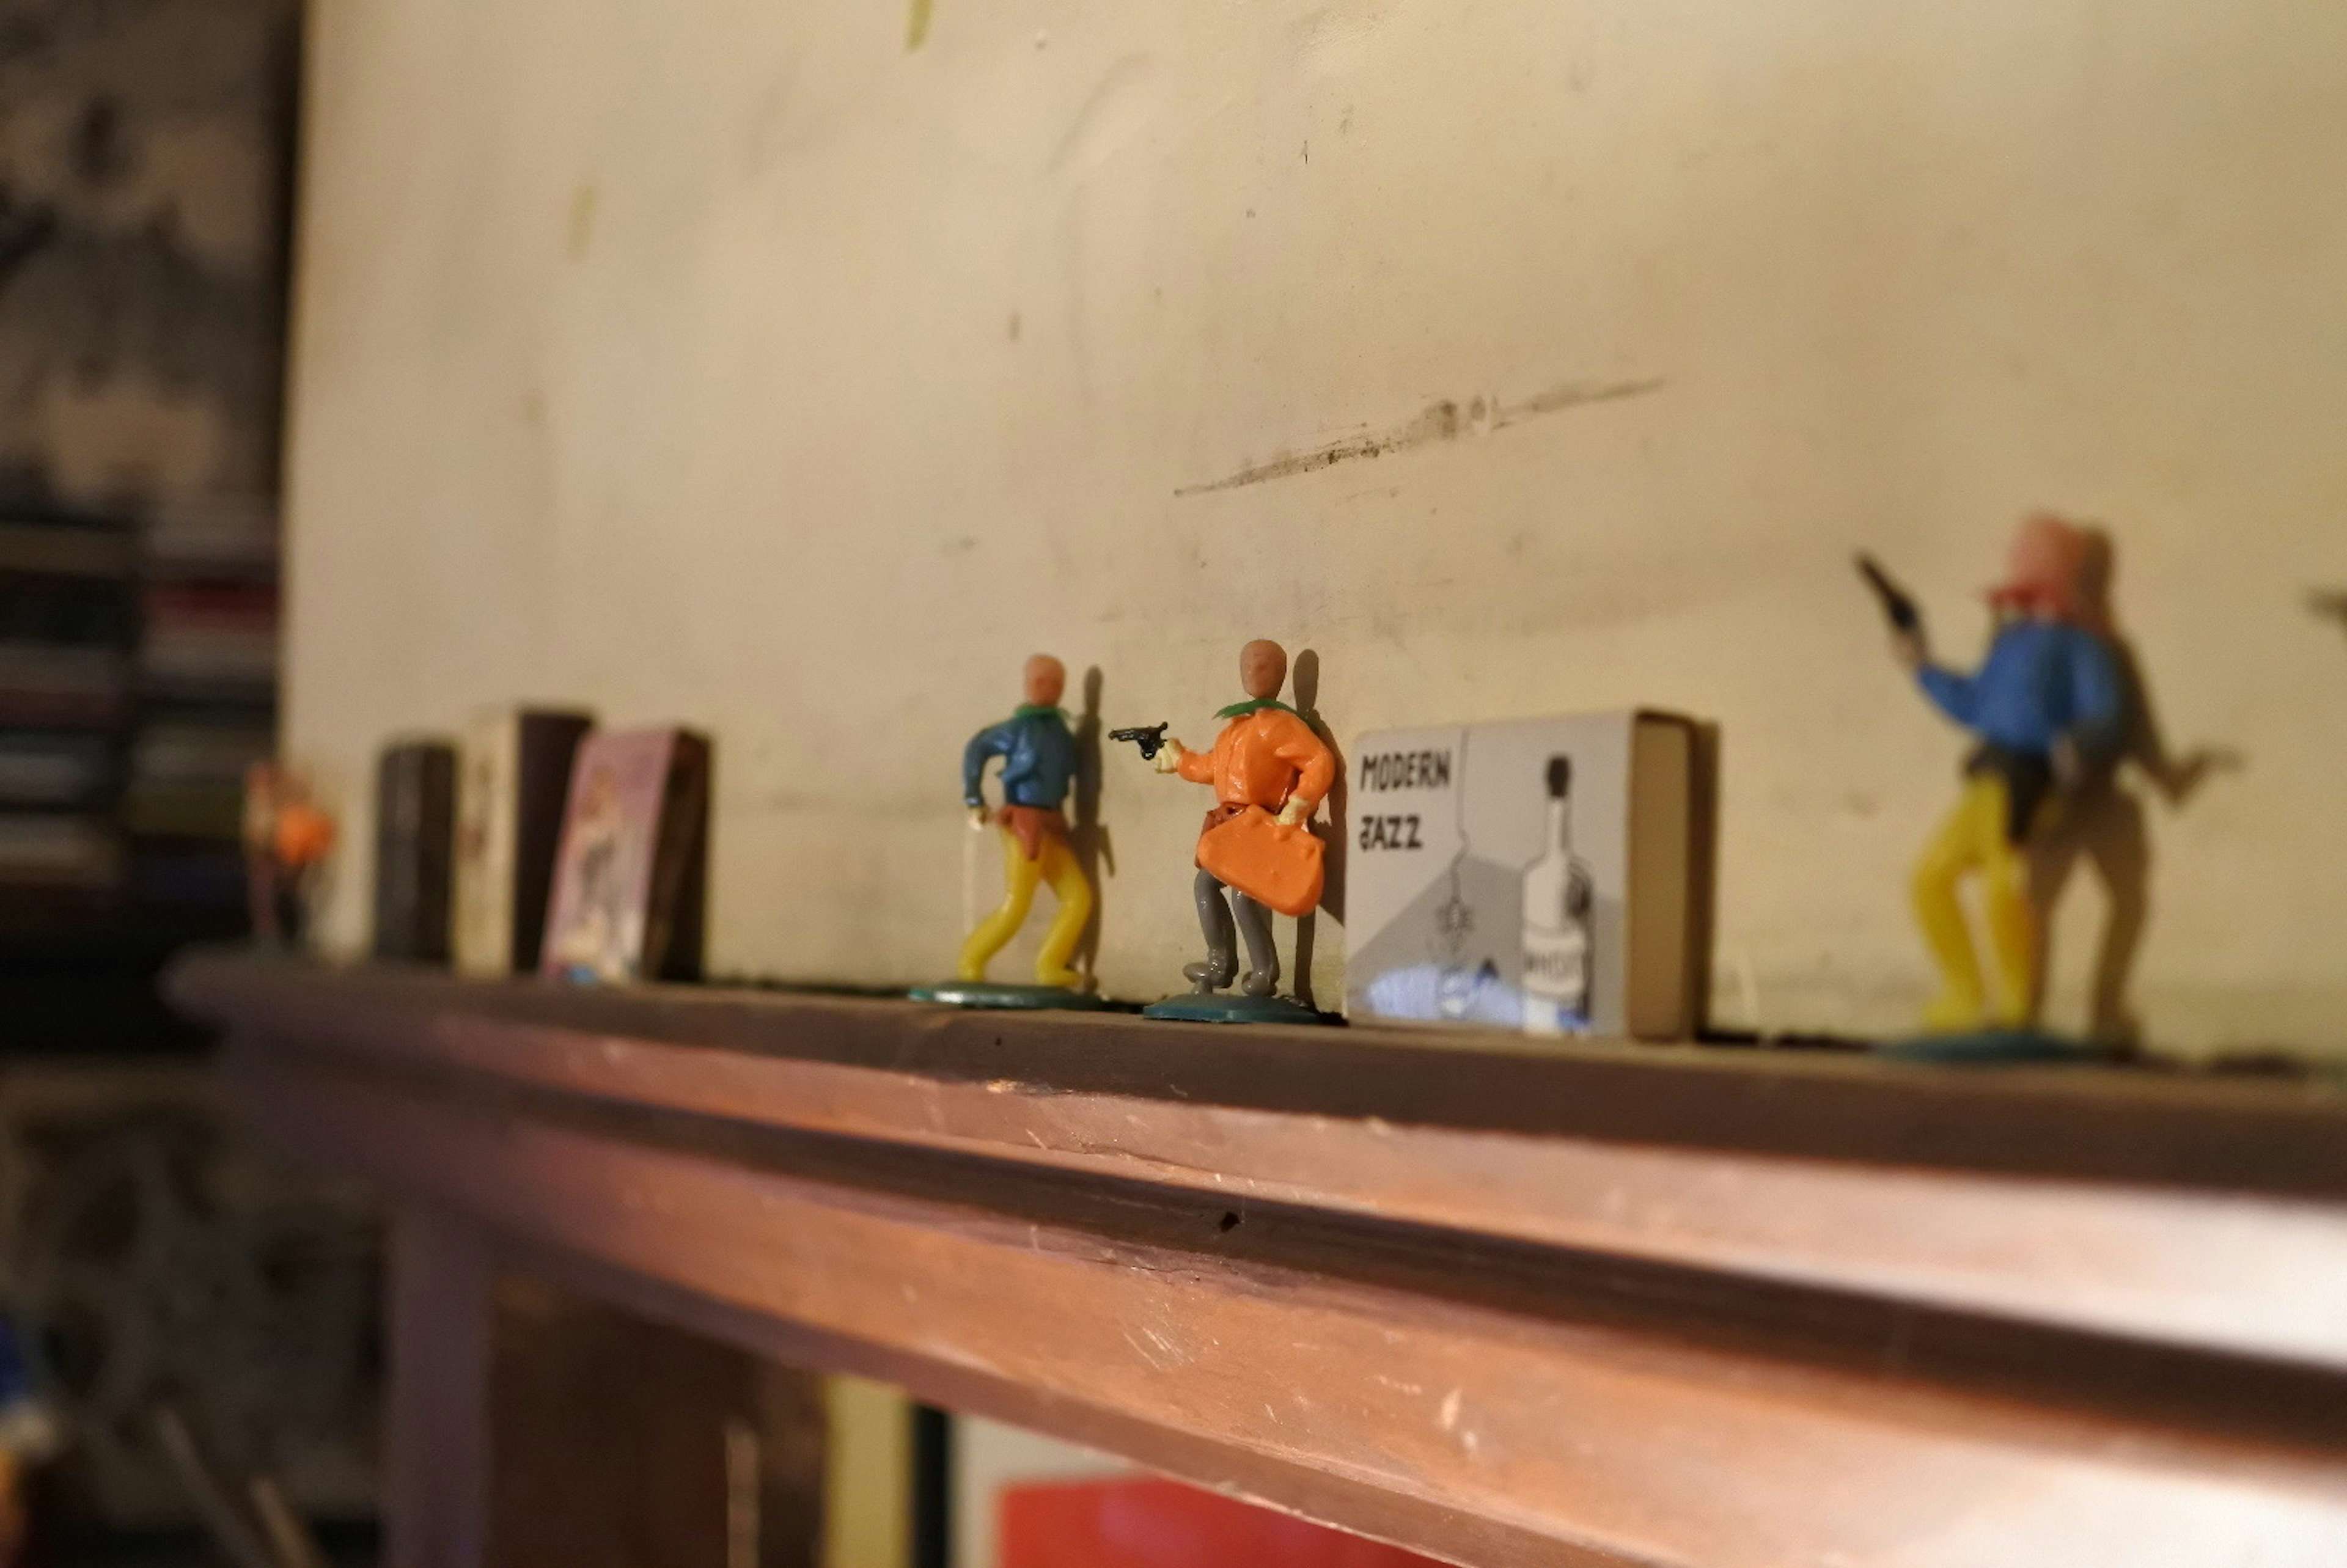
column 1264, row 758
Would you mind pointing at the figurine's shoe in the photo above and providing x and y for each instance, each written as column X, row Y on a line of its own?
column 1955, row 1012
column 1067, row 980
column 1209, row 976
column 1260, row 983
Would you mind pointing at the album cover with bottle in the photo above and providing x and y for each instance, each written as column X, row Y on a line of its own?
column 1548, row 875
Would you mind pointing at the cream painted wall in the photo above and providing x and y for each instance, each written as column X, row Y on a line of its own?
column 731, row 362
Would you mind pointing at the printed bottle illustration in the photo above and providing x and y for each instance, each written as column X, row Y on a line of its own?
column 1557, row 900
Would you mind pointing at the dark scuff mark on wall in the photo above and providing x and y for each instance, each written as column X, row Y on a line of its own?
column 1441, row 421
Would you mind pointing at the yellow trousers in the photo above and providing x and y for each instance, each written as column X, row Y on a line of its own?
column 1974, row 839
column 1054, row 863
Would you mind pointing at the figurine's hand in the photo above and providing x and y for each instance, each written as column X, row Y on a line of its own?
column 1293, row 812
column 1908, row 648
column 978, row 815
column 1169, row 756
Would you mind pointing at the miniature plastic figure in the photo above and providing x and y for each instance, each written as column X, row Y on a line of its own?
column 2047, row 704
column 287, row 839
column 1251, row 862
column 1039, row 768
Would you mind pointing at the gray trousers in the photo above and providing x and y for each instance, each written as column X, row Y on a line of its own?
column 1221, row 952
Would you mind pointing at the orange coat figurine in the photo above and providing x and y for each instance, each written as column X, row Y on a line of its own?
column 1269, row 772
column 287, row 839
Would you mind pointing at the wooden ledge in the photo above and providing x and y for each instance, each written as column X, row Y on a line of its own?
column 1613, row 1305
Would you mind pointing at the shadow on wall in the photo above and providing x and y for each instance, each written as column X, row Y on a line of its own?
column 1088, row 835
column 2103, row 824
column 1305, row 687
column 2330, row 603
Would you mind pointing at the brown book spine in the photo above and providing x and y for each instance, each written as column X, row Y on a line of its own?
column 548, row 745
column 416, row 840
column 680, row 881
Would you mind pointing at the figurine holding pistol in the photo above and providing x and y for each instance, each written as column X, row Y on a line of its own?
column 1256, row 853
column 2046, row 705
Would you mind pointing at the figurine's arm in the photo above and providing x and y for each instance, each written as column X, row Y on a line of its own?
column 993, row 741
column 1957, row 696
column 1198, row 767
column 1315, row 765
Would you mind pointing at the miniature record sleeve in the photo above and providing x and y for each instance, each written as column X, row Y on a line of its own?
column 1549, row 875
column 513, row 782
column 629, row 879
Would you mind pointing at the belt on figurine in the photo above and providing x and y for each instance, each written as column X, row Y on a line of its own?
column 1030, row 824
column 2028, row 780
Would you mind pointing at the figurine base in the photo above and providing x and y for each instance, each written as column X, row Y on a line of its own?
column 988, row 994
column 1988, row 1047
column 1215, row 1006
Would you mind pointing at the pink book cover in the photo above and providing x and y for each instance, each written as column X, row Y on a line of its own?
column 602, row 920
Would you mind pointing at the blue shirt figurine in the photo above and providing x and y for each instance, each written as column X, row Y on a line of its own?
column 2047, row 702
column 1039, row 765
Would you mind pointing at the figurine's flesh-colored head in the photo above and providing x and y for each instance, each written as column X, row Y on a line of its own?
column 1263, row 667
column 2046, row 570
column 1047, row 681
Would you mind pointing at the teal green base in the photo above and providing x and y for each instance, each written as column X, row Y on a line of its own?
column 987, row 994
column 1214, row 1007
column 1991, row 1046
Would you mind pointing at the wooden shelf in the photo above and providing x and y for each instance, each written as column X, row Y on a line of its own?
column 1728, row 1308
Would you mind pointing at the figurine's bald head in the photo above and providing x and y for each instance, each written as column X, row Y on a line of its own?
column 2046, row 570
column 1263, row 667
column 1047, row 681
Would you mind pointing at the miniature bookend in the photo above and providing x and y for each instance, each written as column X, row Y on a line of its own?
column 1257, row 852
column 1038, row 769
column 2045, row 708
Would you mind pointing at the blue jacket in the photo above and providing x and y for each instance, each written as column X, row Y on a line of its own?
column 1039, row 758
column 2042, row 680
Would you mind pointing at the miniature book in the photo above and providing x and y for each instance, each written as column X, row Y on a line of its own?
column 1550, row 875
column 414, row 837
column 512, row 786
column 630, row 879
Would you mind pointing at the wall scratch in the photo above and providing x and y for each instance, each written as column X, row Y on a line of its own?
column 1439, row 421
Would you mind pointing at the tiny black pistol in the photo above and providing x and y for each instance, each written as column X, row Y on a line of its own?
column 1149, row 738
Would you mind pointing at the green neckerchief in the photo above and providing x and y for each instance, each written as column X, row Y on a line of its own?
column 1256, row 705
column 1039, row 711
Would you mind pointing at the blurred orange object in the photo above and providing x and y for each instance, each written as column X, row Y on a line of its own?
column 304, row 834
column 1274, row 863
column 1145, row 1522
